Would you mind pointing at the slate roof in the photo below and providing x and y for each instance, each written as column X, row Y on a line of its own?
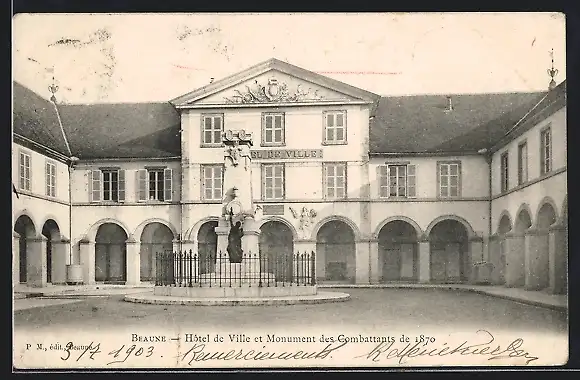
column 123, row 130
column 421, row 124
column 35, row 118
column 405, row 124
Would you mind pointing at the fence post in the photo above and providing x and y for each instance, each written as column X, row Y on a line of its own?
column 312, row 268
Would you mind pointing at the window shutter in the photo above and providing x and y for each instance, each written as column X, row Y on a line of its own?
column 142, row 185
column 96, row 179
column 411, row 181
column 121, row 185
column 168, row 185
column 388, row 174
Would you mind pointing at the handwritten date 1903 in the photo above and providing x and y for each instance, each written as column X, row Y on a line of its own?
column 121, row 353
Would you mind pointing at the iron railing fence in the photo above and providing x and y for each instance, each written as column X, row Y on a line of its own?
column 190, row 269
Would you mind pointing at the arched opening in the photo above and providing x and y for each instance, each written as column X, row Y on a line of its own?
column 563, row 274
column 538, row 260
column 398, row 250
column 110, row 254
column 155, row 238
column 51, row 232
column 448, row 241
column 504, row 227
column 546, row 216
column 276, row 245
column 25, row 228
column 207, row 246
column 523, row 222
column 335, row 252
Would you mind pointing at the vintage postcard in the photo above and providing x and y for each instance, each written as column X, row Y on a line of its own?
column 289, row 190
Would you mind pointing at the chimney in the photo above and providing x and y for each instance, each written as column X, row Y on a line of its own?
column 449, row 104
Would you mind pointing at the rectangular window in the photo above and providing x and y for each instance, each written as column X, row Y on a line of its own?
column 111, row 185
column 273, row 181
column 50, row 179
column 522, row 163
column 546, row 150
column 156, row 183
column 107, row 185
column 397, row 180
column 335, row 127
column 211, row 129
column 449, row 176
column 504, row 168
column 212, row 182
column 334, row 180
column 273, row 129
column 24, row 171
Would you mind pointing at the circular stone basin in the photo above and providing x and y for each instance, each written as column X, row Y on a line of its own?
column 318, row 297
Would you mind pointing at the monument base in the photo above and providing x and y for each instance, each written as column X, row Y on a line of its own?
column 246, row 291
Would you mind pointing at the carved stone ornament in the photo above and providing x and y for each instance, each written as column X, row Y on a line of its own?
column 273, row 91
column 305, row 220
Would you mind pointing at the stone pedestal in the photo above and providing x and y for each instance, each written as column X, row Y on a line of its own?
column 424, row 261
column 222, row 231
column 15, row 258
column 36, row 262
column 87, row 253
column 536, row 259
column 133, row 262
column 514, row 246
column 362, row 268
column 60, row 259
column 250, row 240
column 558, row 260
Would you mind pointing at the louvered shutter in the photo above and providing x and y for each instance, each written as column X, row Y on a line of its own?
column 96, row 180
column 142, row 185
column 411, row 181
column 121, row 185
column 168, row 184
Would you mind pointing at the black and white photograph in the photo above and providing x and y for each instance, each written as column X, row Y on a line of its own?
column 289, row 190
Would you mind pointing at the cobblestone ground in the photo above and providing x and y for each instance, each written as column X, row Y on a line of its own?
column 368, row 309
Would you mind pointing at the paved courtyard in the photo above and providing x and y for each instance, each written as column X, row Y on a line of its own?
column 368, row 308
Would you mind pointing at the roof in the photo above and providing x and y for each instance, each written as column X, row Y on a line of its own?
column 281, row 66
column 35, row 118
column 123, row 130
column 422, row 124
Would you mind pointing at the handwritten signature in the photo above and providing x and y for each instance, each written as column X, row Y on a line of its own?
column 386, row 350
column 198, row 353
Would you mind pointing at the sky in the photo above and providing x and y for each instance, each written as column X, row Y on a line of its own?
column 157, row 57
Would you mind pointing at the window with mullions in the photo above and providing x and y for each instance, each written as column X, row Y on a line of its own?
column 449, row 178
column 211, row 130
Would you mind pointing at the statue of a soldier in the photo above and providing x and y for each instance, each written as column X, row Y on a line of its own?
column 235, row 240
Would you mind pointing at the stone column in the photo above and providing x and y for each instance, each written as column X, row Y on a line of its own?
column 424, row 260
column 36, row 262
column 374, row 261
column 15, row 258
column 87, row 253
column 479, row 269
column 60, row 259
column 536, row 259
column 133, row 262
column 558, row 260
column 514, row 259
column 303, row 250
column 362, row 269
column 320, row 262
column 494, row 258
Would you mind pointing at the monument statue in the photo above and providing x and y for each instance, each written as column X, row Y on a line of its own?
column 235, row 240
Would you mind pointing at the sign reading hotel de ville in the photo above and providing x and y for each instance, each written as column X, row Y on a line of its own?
column 286, row 154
